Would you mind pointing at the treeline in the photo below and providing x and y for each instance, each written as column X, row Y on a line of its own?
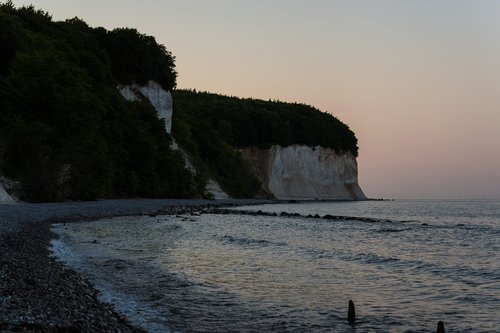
column 211, row 154
column 65, row 130
column 67, row 133
column 212, row 127
column 252, row 122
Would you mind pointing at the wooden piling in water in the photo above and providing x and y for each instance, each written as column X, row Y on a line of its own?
column 351, row 312
column 440, row 328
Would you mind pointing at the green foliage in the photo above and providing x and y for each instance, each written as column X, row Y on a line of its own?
column 212, row 127
column 212, row 155
column 252, row 122
column 138, row 58
column 65, row 131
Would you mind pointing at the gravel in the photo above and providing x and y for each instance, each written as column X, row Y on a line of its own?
column 39, row 294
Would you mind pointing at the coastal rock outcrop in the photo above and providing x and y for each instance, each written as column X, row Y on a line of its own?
column 4, row 196
column 303, row 172
column 213, row 188
column 159, row 98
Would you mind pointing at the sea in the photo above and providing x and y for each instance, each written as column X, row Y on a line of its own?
column 406, row 264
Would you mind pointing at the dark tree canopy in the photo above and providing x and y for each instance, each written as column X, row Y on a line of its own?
column 253, row 122
column 213, row 127
column 138, row 58
column 65, row 130
column 67, row 133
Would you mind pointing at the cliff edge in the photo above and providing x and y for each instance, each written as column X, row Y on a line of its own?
column 162, row 102
column 304, row 172
column 159, row 98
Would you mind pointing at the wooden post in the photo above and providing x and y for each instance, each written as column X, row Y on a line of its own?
column 351, row 312
column 440, row 327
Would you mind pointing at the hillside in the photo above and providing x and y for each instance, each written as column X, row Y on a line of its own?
column 249, row 122
column 214, row 128
column 65, row 131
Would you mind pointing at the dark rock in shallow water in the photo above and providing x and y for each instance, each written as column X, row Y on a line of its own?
column 351, row 312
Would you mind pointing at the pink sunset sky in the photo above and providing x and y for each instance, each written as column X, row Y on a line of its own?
column 417, row 81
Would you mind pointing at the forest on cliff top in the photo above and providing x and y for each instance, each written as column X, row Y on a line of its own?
column 213, row 127
column 67, row 133
column 65, row 130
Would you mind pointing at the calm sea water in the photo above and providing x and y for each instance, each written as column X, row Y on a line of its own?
column 420, row 262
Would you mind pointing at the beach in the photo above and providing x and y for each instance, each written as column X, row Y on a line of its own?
column 39, row 294
column 188, row 266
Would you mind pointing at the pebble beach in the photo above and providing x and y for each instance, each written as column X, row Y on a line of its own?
column 39, row 294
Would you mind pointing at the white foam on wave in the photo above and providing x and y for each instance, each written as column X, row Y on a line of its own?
column 61, row 251
column 137, row 313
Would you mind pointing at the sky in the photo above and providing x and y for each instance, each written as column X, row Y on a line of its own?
column 417, row 81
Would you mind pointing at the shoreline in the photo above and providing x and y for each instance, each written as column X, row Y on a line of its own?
column 40, row 294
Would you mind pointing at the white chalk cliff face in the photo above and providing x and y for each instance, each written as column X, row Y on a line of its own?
column 4, row 196
column 303, row 172
column 212, row 186
column 160, row 98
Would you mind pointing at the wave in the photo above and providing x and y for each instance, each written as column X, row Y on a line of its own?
column 249, row 241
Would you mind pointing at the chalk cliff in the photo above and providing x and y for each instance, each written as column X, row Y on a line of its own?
column 303, row 172
column 293, row 172
column 160, row 98
column 4, row 196
column 162, row 101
